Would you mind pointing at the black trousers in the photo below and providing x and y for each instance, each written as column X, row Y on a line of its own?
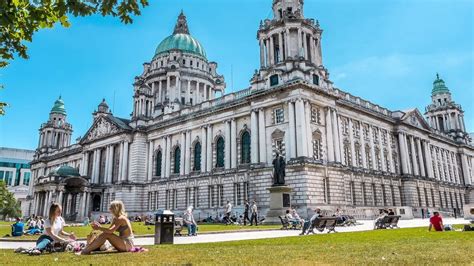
column 253, row 218
column 246, row 218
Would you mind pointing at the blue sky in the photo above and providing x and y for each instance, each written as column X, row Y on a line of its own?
column 387, row 52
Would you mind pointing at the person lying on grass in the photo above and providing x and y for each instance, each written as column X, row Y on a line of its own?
column 124, row 241
column 54, row 226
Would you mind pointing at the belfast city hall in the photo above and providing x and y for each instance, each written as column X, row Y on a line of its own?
column 189, row 143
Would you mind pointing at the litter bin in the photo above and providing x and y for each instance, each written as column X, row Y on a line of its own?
column 164, row 227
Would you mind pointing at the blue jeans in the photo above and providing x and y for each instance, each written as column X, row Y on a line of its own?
column 191, row 229
column 305, row 226
column 43, row 242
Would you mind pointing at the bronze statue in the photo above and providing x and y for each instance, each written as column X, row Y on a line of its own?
column 278, row 170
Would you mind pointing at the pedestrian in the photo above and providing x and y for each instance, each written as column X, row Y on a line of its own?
column 228, row 212
column 246, row 212
column 254, row 210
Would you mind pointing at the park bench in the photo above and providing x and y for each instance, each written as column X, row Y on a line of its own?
column 178, row 226
column 389, row 221
column 323, row 223
column 288, row 225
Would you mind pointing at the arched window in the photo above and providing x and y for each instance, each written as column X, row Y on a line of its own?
column 177, row 158
column 158, row 159
column 197, row 157
column 245, row 147
column 220, row 152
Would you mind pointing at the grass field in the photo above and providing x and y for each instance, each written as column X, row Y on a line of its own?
column 401, row 246
column 141, row 229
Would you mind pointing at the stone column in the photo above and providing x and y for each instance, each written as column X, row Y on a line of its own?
column 262, row 56
column 111, row 164
column 272, row 50
column 82, row 206
column 309, row 133
column 362, row 148
column 227, row 144
column 390, row 156
column 209, row 148
column 160, row 88
column 305, row 46
column 280, row 44
column 183, row 151
column 428, row 160
column 254, row 136
column 298, row 53
column 150, row 160
column 382, row 155
column 125, row 161
column 168, row 156
column 203, row 149
column 198, row 92
column 48, row 203
column 187, row 153
column 188, row 92
column 261, row 136
column 329, row 134
column 413, row 156
column 60, row 197
column 335, row 130
column 301, row 138
column 420, row 158
column 287, row 42
column 372, row 148
column 120, row 174
column 233, row 143
column 292, row 131
column 351, row 140
column 94, row 166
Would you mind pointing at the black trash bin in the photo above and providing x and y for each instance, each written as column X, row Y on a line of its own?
column 164, row 227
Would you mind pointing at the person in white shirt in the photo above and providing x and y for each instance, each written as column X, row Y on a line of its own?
column 228, row 212
column 254, row 210
column 189, row 221
column 54, row 232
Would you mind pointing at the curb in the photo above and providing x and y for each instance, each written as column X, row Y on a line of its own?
column 11, row 239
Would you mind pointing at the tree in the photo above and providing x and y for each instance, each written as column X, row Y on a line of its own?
column 9, row 206
column 20, row 19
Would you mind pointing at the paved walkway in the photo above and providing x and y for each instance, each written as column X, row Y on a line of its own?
column 234, row 236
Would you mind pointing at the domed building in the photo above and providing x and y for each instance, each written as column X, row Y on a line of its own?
column 189, row 143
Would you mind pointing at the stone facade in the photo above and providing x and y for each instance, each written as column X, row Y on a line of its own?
column 189, row 143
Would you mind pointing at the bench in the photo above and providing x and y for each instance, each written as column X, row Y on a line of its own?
column 324, row 223
column 388, row 222
column 288, row 225
column 178, row 226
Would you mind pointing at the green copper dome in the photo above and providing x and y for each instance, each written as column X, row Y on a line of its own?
column 59, row 107
column 439, row 87
column 181, row 40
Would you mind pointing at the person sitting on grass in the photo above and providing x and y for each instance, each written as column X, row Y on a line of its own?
column 436, row 222
column 18, row 227
column 307, row 224
column 54, row 226
column 124, row 241
column 189, row 221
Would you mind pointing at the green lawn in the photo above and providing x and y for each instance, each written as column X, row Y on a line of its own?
column 400, row 246
column 142, row 229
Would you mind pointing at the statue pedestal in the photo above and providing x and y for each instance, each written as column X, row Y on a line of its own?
column 280, row 201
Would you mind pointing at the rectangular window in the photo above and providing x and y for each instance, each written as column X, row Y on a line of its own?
column 2, row 174
column 221, row 195
column 374, row 195
column 8, row 178
column 187, row 196
column 384, row 196
column 273, row 80
column 364, row 196
column 210, row 194
column 175, row 198
column 17, row 177
column 167, row 200
column 279, row 116
column 352, row 191
column 315, row 79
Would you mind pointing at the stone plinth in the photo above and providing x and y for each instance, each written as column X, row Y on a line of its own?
column 280, row 201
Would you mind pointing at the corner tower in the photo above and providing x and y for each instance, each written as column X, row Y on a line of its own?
column 56, row 132
column 443, row 114
column 290, row 47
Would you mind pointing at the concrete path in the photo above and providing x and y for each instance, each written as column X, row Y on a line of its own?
column 235, row 236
